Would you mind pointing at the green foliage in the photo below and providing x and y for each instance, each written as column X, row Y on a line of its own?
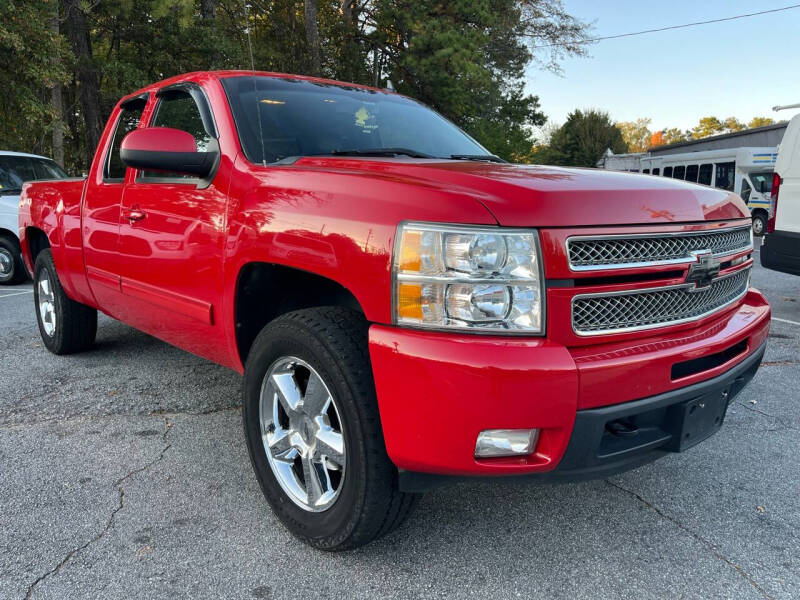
column 582, row 140
column 32, row 63
column 707, row 126
column 760, row 122
column 466, row 58
column 732, row 124
column 673, row 135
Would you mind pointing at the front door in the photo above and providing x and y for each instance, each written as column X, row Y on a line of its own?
column 171, row 239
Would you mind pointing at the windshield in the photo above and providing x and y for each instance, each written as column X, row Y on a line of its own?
column 762, row 182
column 16, row 170
column 302, row 118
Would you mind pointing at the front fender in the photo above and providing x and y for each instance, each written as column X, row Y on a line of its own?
column 339, row 225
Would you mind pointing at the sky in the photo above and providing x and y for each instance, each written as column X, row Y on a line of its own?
column 737, row 68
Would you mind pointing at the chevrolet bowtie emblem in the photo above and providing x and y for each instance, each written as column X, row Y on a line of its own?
column 702, row 272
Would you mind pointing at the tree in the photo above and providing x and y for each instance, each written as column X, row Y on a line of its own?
column 760, row 122
column 732, row 124
column 31, row 67
column 707, row 126
column 86, row 73
column 582, row 140
column 657, row 139
column 636, row 134
column 312, row 35
column 467, row 58
column 673, row 135
column 56, row 97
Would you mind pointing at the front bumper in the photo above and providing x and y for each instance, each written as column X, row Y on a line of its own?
column 437, row 392
column 594, row 452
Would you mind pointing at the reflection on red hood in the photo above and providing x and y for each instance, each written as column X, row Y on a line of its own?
column 541, row 196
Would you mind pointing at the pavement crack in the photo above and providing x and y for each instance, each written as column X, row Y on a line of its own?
column 112, row 517
column 210, row 411
column 11, row 420
column 738, row 568
column 752, row 408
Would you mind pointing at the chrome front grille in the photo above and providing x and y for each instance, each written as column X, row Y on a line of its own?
column 628, row 251
column 616, row 312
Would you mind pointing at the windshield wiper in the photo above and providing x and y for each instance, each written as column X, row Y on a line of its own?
column 483, row 157
column 381, row 152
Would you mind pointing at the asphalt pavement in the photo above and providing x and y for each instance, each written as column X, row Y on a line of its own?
column 124, row 474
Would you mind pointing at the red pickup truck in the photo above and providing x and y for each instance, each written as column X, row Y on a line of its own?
column 406, row 308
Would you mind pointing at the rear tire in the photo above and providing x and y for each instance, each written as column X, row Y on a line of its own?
column 12, row 271
column 66, row 326
column 360, row 500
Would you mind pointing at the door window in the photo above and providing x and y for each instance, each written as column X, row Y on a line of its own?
column 691, row 173
column 178, row 110
column 746, row 190
column 725, row 174
column 14, row 171
column 762, row 182
column 705, row 173
column 129, row 118
column 47, row 169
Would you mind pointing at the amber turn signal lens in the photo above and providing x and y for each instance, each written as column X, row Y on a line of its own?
column 409, row 301
column 410, row 258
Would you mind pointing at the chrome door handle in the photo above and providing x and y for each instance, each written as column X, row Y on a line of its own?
column 134, row 215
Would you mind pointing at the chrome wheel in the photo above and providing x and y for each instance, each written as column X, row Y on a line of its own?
column 302, row 433
column 6, row 264
column 47, row 304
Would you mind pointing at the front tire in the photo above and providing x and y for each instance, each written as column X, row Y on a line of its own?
column 12, row 271
column 313, row 431
column 759, row 224
column 66, row 326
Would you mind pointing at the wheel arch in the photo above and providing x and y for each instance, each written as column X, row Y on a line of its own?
column 7, row 233
column 291, row 289
column 37, row 241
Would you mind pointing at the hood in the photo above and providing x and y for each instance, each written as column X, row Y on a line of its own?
column 541, row 196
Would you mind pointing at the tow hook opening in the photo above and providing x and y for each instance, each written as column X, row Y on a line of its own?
column 623, row 428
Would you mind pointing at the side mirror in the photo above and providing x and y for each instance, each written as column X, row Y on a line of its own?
column 166, row 149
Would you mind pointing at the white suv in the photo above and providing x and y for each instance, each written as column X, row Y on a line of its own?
column 15, row 169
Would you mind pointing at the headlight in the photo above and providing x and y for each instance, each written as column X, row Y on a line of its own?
column 485, row 279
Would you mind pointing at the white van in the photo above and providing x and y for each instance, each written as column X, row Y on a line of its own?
column 15, row 169
column 781, row 249
column 745, row 171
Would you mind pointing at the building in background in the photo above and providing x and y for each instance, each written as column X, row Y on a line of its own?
column 761, row 137
column 630, row 162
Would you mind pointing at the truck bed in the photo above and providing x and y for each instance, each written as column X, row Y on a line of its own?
column 55, row 208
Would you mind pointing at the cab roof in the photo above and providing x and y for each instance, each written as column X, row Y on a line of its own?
column 200, row 77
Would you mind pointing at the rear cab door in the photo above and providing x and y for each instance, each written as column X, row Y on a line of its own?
column 101, row 208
